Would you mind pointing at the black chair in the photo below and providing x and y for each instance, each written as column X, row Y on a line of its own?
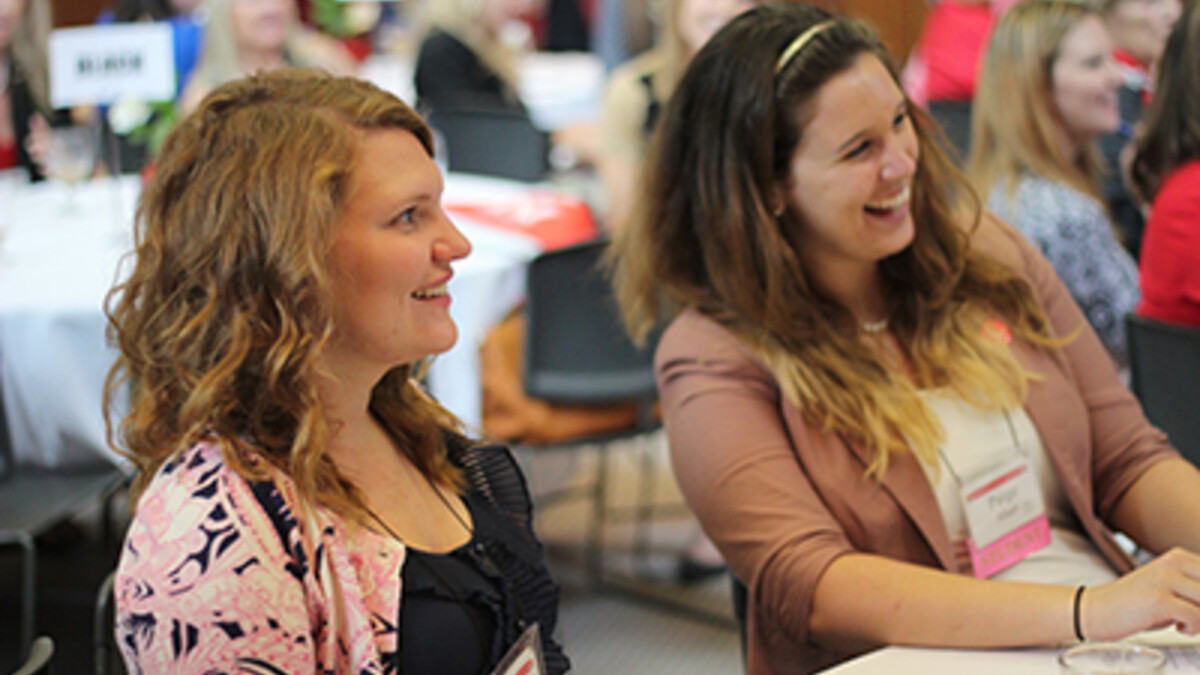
column 493, row 141
column 578, row 353
column 954, row 117
column 32, row 500
column 40, row 653
column 104, row 641
column 1164, row 365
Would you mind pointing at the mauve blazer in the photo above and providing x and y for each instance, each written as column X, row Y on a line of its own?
column 783, row 499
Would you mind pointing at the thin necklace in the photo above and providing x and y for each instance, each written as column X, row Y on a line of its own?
column 465, row 525
column 873, row 327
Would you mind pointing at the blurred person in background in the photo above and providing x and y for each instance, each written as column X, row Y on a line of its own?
column 1139, row 30
column 638, row 90
column 25, row 112
column 469, row 58
column 251, row 36
column 943, row 69
column 187, row 28
column 1047, row 92
column 469, row 54
column 301, row 505
column 1166, row 172
column 633, row 102
column 138, row 125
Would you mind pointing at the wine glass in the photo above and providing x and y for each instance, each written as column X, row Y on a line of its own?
column 70, row 158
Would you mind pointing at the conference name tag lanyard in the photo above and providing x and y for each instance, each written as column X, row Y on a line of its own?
column 1003, row 506
column 525, row 656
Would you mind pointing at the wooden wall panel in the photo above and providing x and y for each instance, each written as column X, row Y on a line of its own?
column 898, row 21
column 76, row 12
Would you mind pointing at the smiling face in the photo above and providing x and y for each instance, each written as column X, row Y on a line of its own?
column 1141, row 27
column 391, row 258
column 1084, row 82
column 262, row 25
column 851, row 174
column 698, row 20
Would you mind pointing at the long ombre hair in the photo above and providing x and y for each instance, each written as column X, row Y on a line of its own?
column 228, row 305
column 1015, row 125
column 705, row 237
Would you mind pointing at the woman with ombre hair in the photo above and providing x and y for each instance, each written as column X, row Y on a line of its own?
column 302, row 505
column 1047, row 92
column 857, row 356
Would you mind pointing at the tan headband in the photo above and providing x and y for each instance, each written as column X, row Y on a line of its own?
column 798, row 44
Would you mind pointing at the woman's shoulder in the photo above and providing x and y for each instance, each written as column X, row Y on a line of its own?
column 1038, row 205
column 199, row 482
column 626, row 85
column 696, row 338
column 1182, row 184
column 647, row 64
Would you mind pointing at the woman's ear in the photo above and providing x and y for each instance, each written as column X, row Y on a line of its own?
column 778, row 199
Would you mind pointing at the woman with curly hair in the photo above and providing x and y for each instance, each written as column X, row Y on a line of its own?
column 883, row 407
column 301, row 504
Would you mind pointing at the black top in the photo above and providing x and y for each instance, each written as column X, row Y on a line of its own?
column 653, row 106
column 448, row 597
column 461, row 611
column 450, row 75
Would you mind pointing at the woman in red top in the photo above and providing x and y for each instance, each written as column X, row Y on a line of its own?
column 1166, row 169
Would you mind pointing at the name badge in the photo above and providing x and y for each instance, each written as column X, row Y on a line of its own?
column 524, row 657
column 1005, row 516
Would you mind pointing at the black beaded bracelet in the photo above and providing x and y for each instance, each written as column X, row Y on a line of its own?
column 1078, row 598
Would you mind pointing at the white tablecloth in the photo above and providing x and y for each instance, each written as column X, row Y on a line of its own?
column 56, row 267
column 1182, row 651
column 58, row 258
column 559, row 89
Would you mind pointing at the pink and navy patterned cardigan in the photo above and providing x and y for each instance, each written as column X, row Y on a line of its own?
column 223, row 575
column 206, row 583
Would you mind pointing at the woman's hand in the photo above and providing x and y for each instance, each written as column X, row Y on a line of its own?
column 1163, row 593
column 37, row 143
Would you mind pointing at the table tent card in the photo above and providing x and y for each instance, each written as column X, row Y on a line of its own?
column 98, row 65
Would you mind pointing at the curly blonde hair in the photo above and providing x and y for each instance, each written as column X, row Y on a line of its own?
column 222, row 319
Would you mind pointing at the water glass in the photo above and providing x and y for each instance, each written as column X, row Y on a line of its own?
column 1112, row 658
column 71, row 158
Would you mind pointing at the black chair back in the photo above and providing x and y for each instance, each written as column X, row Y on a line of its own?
column 1164, row 364
column 577, row 350
column 7, row 461
column 493, row 141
